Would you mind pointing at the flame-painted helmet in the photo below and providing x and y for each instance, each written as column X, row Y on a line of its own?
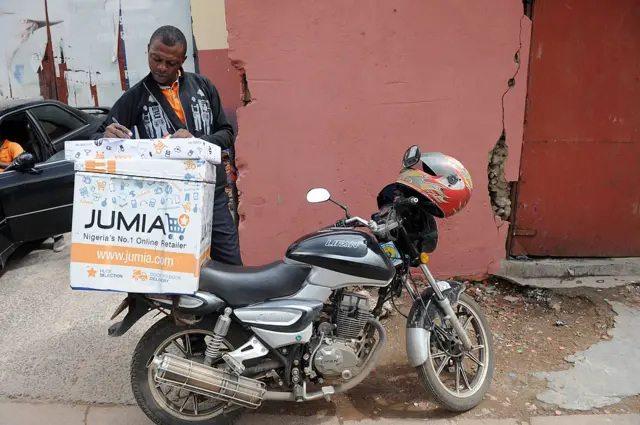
column 441, row 179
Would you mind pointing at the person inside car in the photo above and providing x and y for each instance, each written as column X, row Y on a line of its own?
column 8, row 152
column 170, row 102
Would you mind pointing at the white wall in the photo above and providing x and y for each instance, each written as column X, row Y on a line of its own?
column 86, row 34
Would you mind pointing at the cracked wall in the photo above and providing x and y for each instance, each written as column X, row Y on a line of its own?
column 499, row 190
column 499, row 187
column 339, row 90
column 210, row 37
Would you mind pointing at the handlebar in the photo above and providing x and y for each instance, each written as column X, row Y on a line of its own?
column 378, row 228
column 406, row 202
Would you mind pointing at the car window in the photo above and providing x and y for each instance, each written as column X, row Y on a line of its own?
column 17, row 128
column 57, row 157
column 56, row 121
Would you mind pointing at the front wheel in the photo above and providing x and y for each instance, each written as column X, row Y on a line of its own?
column 459, row 379
column 171, row 406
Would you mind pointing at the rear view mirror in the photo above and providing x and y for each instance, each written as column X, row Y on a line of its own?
column 23, row 162
column 318, row 195
column 411, row 157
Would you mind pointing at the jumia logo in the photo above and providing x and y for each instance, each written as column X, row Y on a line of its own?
column 118, row 221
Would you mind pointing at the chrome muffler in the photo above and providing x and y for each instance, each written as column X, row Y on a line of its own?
column 207, row 381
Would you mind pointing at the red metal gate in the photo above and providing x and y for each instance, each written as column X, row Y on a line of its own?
column 579, row 188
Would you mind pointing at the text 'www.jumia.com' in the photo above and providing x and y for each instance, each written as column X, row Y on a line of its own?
column 127, row 257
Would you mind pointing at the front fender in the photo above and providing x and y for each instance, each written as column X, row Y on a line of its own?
column 422, row 313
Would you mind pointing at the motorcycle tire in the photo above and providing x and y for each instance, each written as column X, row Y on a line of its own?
column 434, row 386
column 148, row 344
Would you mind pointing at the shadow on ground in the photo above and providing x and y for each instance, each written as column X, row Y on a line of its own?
column 391, row 391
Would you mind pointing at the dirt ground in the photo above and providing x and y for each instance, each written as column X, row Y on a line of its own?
column 533, row 330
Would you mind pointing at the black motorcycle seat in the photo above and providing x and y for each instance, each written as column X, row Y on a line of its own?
column 240, row 286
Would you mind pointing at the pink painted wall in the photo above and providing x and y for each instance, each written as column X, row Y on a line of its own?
column 341, row 88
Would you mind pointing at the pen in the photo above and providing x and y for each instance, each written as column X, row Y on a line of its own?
column 116, row 121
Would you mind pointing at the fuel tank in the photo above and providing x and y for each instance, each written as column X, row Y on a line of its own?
column 346, row 251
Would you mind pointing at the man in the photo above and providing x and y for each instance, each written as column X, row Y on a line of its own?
column 8, row 152
column 170, row 102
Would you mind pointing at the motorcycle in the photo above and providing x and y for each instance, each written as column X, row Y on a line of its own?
column 296, row 331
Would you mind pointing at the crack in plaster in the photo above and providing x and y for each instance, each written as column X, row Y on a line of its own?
column 499, row 188
column 245, row 95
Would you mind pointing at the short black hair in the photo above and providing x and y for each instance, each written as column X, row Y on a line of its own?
column 169, row 36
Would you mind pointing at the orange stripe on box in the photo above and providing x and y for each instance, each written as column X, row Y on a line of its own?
column 97, row 166
column 135, row 257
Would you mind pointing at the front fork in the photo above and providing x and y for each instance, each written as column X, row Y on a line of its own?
column 445, row 305
column 441, row 299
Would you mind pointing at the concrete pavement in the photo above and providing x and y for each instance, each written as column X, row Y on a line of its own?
column 571, row 272
column 54, row 344
column 66, row 414
column 612, row 361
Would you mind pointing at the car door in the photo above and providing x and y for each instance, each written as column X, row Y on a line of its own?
column 6, row 244
column 37, row 206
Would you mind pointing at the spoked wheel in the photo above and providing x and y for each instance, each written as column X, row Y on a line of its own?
column 456, row 378
column 166, row 405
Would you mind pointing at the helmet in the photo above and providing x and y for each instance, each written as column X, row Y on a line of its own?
column 441, row 179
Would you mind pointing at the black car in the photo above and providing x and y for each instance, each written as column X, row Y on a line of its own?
column 37, row 204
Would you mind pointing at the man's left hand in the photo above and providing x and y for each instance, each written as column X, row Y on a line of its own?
column 182, row 134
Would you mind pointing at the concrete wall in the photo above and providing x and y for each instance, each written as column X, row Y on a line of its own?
column 341, row 88
column 210, row 32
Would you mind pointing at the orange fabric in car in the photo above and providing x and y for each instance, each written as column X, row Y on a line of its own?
column 9, row 151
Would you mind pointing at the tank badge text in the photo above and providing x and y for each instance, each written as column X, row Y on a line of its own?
column 340, row 243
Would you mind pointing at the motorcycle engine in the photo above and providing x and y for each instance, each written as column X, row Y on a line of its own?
column 339, row 351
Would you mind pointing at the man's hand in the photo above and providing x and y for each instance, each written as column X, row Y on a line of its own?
column 182, row 134
column 117, row 131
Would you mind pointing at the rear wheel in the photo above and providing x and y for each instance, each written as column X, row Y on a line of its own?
column 166, row 405
column 459, row 379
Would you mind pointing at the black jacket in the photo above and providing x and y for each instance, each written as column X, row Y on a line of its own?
column 145, row 107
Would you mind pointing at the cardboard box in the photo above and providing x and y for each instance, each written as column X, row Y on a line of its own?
column 177, row 169
column 78, row 150
column 142, row 235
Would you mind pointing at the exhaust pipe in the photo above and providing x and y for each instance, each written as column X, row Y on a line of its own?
column 207, row 381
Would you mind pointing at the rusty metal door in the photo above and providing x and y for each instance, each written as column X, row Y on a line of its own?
column 579, row 188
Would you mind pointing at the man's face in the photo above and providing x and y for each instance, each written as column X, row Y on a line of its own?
column 165, row 61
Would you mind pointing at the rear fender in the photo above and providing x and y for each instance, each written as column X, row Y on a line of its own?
column 137, row 309
column 422, row 313
column 200, row 304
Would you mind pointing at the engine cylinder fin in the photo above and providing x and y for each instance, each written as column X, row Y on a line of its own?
column 353, row 314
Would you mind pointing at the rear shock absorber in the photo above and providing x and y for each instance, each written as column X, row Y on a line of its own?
column 219, row 333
